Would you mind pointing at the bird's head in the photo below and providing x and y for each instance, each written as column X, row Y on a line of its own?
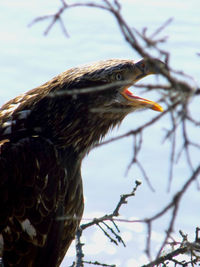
column 95, row 97
column 105, row 84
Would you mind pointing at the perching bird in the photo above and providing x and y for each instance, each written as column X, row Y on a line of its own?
column 44, row 135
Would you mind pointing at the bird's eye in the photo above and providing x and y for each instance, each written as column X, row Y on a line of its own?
column 118, row 77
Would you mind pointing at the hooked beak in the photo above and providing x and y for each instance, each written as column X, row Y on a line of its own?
column 142, row 69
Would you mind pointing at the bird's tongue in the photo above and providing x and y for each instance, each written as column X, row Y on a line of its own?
column 144, row 102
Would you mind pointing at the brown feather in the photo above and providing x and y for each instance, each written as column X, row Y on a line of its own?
column 44, row 135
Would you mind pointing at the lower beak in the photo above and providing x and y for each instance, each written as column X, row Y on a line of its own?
column 140, row 102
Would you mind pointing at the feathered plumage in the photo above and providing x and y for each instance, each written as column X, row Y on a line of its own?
column 44, row 135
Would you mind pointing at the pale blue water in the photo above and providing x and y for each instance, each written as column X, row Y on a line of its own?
column 27, row 59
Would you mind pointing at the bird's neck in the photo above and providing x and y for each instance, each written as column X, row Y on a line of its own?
column 73, row 123
column 83, row 133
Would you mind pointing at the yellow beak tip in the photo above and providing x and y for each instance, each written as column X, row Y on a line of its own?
column 157, row 107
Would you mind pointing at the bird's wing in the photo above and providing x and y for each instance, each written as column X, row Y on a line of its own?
column 33, row 193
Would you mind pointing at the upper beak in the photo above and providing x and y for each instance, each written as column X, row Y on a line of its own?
column 146, row 67
column 141, row 70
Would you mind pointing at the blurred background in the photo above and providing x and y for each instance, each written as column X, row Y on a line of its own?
column 28, row 59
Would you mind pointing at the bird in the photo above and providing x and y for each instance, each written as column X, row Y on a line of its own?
column 44, row 135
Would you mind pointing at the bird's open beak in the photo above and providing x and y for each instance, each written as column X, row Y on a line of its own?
column 139, row 101
column 142, row 69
